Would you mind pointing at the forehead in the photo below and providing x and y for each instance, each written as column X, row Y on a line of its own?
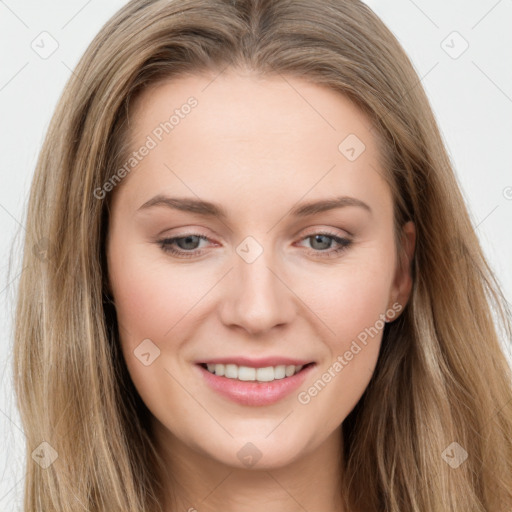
column 290, row 107
column 251, row 134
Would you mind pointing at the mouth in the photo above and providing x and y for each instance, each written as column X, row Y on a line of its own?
column 252, row 386
column 251, row 374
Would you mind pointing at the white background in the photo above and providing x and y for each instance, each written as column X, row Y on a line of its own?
column 471, row 97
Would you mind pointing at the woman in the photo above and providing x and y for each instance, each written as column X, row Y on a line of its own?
column 256, row 369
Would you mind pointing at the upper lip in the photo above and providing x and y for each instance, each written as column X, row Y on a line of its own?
column 256, row 362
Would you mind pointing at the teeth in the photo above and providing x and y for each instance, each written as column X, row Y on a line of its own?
column 246, row 373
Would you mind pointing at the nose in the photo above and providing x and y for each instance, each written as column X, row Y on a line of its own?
column 257, row 296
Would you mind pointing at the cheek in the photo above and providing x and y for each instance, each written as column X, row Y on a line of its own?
column 352, row 296
column 351, row 309
column 351, row 302
column 150, row 297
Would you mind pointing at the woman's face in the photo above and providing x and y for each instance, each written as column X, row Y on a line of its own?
column 273, row 281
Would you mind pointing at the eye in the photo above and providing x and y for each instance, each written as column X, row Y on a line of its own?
column 320, row 240
column 187, row 246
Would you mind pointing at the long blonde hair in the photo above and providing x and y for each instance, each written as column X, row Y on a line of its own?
column 441, row 378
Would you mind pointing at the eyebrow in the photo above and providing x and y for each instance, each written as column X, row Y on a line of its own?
column 209, row 209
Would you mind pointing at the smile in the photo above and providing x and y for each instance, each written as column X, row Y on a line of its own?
column 254, row 386
column 247, row 373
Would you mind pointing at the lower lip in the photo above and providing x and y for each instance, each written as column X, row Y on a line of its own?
column 255, row 393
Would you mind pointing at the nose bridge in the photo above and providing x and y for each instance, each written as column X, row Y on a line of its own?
column 256, row 299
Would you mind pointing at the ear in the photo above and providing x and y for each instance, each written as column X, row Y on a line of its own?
column 402, row 283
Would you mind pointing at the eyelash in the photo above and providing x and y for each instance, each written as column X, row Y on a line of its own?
column 344, row 244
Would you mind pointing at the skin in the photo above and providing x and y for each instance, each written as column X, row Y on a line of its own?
column 257, row 159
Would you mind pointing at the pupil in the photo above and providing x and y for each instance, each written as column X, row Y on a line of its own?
column 187, row 240
column 316, row 237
